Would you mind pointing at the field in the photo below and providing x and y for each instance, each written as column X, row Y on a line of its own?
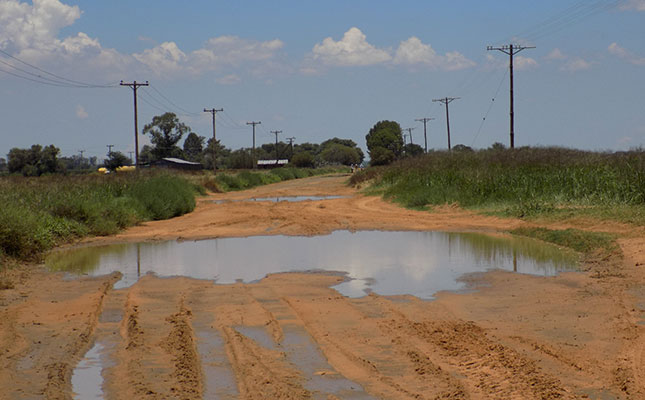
column 574, row 335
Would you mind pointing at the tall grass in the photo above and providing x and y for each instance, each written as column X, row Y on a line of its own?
column 39, row 213
column 525, row 181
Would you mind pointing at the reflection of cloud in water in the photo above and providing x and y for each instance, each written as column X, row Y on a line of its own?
column 418, row 263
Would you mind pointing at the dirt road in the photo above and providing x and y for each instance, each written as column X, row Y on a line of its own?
column 290, row 336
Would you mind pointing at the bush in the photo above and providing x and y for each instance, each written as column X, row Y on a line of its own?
column 39, row 213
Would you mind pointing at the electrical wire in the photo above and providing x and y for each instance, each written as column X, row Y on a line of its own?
column 61, row 81
column 490, row 107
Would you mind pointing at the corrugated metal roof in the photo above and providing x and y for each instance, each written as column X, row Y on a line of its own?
column 179, row 161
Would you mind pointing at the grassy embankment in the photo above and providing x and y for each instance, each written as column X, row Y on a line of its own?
column 38, row 214
column 528, row 183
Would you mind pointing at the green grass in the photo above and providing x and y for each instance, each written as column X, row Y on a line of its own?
column 523, row 183
column 40, row 213
column 580, row 241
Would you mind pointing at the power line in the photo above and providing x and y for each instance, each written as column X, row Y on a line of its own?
column 511, row 50
column 445, row 101
column 62, row 81
column 490, row 107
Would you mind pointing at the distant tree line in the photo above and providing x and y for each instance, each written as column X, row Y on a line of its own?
column 166, row 132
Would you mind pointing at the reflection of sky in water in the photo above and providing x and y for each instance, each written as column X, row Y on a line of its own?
column 388, row 263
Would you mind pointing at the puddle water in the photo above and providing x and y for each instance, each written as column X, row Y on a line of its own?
column 388, row 263
column 285, row 198
column 219, row 379
column 320, row 378
column 87, row 381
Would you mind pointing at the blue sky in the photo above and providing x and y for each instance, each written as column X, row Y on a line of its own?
column 316, row 70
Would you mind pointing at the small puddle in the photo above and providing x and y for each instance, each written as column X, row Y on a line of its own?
column 219, row 379
column 283, row 198
column 387, row 263
column 319, row 377
column 87, row 381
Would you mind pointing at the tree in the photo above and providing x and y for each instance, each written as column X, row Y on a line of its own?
column 166, row 131
column 3, row 164
column 385, row 138
column 193, row 147
column 339, row 154
column 115, row 160
column 303, row 160
column 356, row 153
column 381, row 156
column 35, row 161
column 145, row 155
column 241, row 159
column 221, row 152
column 412, row 150
column 462, row 148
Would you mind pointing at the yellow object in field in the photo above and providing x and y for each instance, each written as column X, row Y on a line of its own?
column 103, row 170
column 126, row 168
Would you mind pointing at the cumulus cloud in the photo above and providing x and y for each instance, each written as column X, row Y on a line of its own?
column 414, row 51
column 353, row 49
column 576, row 64
column 163, row 59
column 555, row 54
column 30, row 31
column 81, row 113
column 625, row 54
column 638, row 5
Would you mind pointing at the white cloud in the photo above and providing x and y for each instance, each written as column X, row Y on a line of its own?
column 616, row 50
column 555, row 54
column 230, row 79
column 520, row 62
column 80, row 112
column 413, row 51
column 638, row 5
column 163, row 59
column 353, row 49
column 575, row 64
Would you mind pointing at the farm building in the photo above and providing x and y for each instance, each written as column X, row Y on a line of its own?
column 272, row 163
column 177, row 163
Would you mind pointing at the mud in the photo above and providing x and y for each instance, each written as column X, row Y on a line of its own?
column 575, row 335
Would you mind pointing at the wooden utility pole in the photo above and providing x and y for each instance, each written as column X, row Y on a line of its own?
column 291, row 139
column 109, row 146
column 255, row 164
column 409, row 133
column 511, row 50
column 134, row 85
column 446, row 101
column 276, row 145
column 425, row 135
column 214, row 111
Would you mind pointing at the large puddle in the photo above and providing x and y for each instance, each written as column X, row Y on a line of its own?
column 283, row 198
column 387, row 263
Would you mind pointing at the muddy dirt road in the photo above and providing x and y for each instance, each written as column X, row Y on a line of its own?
column 290, row 336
